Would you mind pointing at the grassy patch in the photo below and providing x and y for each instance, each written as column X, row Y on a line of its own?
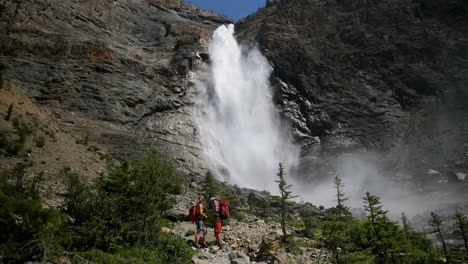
column 190, row 232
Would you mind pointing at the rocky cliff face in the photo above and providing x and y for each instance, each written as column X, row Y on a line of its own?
column 361, row 76
column 384, row 76
column 121, row 70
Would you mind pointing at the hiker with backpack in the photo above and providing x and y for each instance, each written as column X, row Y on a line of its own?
column 197, row 215
column 221, row 210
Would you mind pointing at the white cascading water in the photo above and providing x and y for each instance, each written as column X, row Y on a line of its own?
column 240, row 129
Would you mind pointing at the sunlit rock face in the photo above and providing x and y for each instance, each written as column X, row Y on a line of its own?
column 374, row 90
column 127, row 65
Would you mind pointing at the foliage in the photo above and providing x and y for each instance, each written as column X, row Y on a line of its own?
column 190, row 232
column 335, row 229
column 39, row 141
column 51, row 134
column 173, row 250
column 264, row 209
column 92, row 148
column 461, row 223
column 23, row 130
column 8, row 146
column 127, row 207
column 125, row 212
column 22, row 216
column 285, row 195
column 269, row 3
column 436, row 222
column 406, row 224
column 342, row 211
column 210, row 187
column 382, row 235
column 8, row 113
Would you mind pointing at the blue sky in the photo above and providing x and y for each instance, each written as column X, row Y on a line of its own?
column 233, row 9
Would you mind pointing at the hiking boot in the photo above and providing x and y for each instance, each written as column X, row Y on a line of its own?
column 204, row 245
column 198, row 246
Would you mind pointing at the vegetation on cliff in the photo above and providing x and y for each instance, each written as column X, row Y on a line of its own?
column 118, row 218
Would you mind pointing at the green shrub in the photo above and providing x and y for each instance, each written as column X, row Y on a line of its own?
column 190, row 232
column 36, row 184
column 126, row 209
column 50, row 133
column 40, row 141
column 173, row 249
column 9, row 147
column 163, row 254
column 122, row 256
column 93, row 148
column 15, row 122
column 8, row 113
column 23, row 218
column 210, row 186
column 22, row 128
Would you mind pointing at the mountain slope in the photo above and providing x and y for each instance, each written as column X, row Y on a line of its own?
column 370, row 76
column 129, row 63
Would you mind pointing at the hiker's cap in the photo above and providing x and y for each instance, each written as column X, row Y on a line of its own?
column 212, row 198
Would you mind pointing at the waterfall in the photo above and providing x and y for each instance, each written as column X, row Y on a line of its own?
column 240, row 129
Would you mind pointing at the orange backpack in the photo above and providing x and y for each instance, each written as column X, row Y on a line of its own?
column 224, row 209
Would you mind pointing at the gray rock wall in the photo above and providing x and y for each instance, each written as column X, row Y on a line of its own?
column 370, row 76
column 126, row 65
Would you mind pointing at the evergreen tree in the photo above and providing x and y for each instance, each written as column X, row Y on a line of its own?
column 384, row 236
column 210, row 187
column 341, row 209
column 406, row 224
column 417, row 245
column 127, row 207
column 285, row 195
column 461, row 224
column 436, row 223
column 335, row 228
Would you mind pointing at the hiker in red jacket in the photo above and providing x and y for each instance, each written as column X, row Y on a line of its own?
column 200, row 215
column 218, row 224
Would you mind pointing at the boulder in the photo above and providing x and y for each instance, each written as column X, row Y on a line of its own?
column 176, row 214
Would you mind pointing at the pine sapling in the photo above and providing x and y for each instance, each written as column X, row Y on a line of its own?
column 8, row 113
column 462, row 224
column 285, row 195
column 341, row 209
column 406, row 224
column 436, row 223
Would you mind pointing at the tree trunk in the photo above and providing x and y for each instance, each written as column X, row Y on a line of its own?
column 337, row 258
column 283, row 222
column 443, row 245
column 464, row 237
column 145, row 216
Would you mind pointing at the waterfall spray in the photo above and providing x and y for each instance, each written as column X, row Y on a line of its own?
column 240, row 129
